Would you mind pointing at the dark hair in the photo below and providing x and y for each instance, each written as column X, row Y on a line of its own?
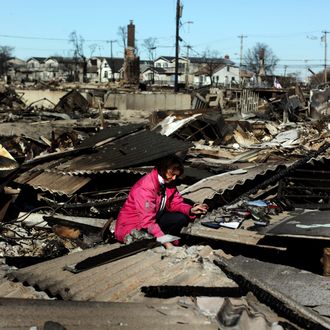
column 172, row 162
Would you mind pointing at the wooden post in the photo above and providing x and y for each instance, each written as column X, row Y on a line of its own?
column 326, row 261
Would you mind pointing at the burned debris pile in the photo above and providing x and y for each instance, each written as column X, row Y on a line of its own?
column 257, row 157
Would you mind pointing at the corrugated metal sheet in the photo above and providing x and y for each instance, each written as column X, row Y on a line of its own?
column 121, row 280
column 133, row 170
column 134, row 149
column 208, row 188
column 85, row 315
column 67, row 176
column 58, row 183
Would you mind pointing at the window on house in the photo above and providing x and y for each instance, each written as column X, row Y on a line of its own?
column 165, row 65
column 105, row 74
column 228, row 68
column 158, row 65
column 94, row 62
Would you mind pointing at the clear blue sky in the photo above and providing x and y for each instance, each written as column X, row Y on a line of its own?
column 291, row 28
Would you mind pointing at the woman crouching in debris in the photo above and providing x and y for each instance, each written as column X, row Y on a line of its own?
column 154, row 207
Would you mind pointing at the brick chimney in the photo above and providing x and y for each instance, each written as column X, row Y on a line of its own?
column 131, row 35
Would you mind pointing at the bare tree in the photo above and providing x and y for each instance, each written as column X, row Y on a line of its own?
column 122, row 33
column 5, row 55
column 211, row 61
column 92, row 48
column 78, row 53
column 149, row 45
column 252, row 59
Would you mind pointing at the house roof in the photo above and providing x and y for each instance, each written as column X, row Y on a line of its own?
column 166, row 58
column 199, row 60
column 116, row 63
column 63, row 60
column 220, row 60
column 155, row 69
column 39, row 59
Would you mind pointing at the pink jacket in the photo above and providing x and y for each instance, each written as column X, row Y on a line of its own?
column 143, row 201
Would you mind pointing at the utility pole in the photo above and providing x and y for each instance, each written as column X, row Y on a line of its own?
column 241, row 55
column 177, row 39
column 187, row 66
column 152, row 55
column 324, row 39
column 111, row 59
column 285, row 67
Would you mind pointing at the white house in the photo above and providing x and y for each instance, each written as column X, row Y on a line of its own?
column 104, row 69
column 35, row 68
column 166, row 70
column 226, row 75
column 194, row 71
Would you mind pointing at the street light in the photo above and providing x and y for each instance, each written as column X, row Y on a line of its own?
column 187, row 22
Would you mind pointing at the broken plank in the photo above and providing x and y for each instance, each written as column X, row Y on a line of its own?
column 240, row 236
column 84, row 223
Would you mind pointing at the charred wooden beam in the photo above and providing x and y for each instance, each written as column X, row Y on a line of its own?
column 170, row 291
column 113, row 255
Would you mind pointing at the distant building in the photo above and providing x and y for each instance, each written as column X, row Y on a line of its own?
column 34, row 68
column 226, row 75
column 15, row 68
column 63, row 69
column 104, row 69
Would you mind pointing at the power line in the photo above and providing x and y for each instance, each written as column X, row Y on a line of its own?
column 44, row 38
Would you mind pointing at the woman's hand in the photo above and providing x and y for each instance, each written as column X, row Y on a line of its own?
column 168, row 245
column 199, row 209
